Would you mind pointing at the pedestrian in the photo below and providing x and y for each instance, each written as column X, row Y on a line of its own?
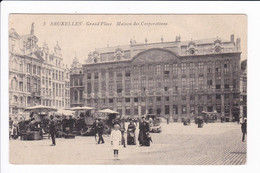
column 168, row 120
column 131, row 133
column 100, row 130
column 53, row 131
column 116, row 137
column 122, row 129
column 243, row 128
column 200, row 123
column 144, row 137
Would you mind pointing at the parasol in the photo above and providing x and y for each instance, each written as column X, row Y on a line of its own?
column 40, row 108
column 108, row 111
column 65, row 112
column 82, row 108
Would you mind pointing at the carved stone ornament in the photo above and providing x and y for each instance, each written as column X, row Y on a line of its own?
column 96, row 56
column 119, row 54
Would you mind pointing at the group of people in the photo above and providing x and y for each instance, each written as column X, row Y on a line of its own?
column 117, row 135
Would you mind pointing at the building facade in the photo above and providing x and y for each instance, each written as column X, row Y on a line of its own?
column 76, row 84
column 32, row 74
column 177, row 79
column 243, row 89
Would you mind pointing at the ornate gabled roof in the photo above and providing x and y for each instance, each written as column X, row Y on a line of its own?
column 14, row 34
column 244, row 65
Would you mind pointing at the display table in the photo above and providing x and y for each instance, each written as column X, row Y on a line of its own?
column 33, row 135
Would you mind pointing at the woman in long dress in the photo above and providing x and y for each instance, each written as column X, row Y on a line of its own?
column 116, row 137
column 144, row 137
column 131, row 133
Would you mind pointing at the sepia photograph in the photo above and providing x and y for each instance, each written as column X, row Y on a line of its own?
column 127, row 89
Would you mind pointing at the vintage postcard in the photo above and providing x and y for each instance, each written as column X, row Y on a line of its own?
column 107, row 89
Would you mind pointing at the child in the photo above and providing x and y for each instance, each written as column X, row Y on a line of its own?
column 116, row 140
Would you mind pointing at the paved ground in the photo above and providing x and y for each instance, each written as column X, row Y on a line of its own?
column 214, row 144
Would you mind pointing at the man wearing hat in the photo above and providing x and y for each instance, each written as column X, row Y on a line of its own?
column 52, row 130
column 99, row 130
column 243, row 128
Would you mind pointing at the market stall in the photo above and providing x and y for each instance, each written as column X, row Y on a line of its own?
column 109, row 119
column 37, row 125
column 84, row 120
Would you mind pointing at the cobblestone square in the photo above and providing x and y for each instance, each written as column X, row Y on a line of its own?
column 214, row 144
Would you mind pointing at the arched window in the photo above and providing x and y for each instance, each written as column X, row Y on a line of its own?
column 15, row 98
column 28, row 100
column 21, row 99
column 21, row 66
column 76, row 95
column 14, row 84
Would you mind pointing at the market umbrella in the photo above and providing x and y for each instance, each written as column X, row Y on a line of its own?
column 40, row 108
column 65, row 112
column 108, row 111
column 82, row 108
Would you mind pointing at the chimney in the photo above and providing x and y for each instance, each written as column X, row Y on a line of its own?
column 238, row 44
column 232, row 38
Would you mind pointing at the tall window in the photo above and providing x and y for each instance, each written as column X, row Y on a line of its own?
column 136, row 83
column 184, row 109
column 75, row 95
column 135, row 71
column 89, row 88
column 183, row 68
column 218, row 68
column 235, row 64
column 20, row 86
column 226, row 67
column 76, row 82
column 127, row 87
column 209, row 83
column 81, row 95
column 96, row 75
column 96, row 86
column 166, row 84
column 150, row 83
column 192, row 83
column 159, row 84
column 143, row 85
column 53, row 89
column 57, row 90
column 21, row 66
column 118, row 72
column 28, row 68
column 28, row 84
column 174, row 69
column 35, row 85
column 150, row 70
column 192, row 109
column 209, row 68
column 127, row 73
column 166, row 70
column 34, row 69
column 88, row 75
column 192, row 68
column 158, row 69
column 39, row 70
column 201, row 82
column 226, row 83
column 111, row 87
column 183, row 83
column 143, row 70
column 201, row 67
column 119, row 86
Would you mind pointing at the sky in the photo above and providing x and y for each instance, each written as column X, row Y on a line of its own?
column 80, row 34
